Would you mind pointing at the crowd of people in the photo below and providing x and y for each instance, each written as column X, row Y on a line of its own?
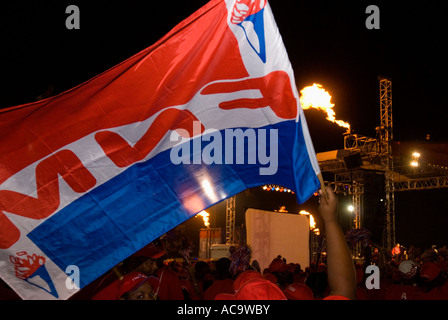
column 402, row 277
column 403, row 274
column 149, row 278
column 411, row 274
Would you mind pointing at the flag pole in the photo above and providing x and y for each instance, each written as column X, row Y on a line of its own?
column 322, row 185
column 117, row 273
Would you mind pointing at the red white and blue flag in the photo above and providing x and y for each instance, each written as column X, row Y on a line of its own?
column 92, row 175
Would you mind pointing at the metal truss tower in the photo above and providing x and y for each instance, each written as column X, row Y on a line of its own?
column 350, row 184
column 230, row 220
column 385, row 153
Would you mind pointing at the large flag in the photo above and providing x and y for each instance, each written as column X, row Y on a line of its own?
column 92, row 175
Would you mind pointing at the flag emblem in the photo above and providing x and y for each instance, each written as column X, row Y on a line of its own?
column 248, row 14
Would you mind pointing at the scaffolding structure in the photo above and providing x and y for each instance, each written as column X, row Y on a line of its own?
column 385, row 152
column 376, row 155
column 230, row 220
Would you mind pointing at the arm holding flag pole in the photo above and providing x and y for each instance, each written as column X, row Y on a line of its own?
column 341, row 269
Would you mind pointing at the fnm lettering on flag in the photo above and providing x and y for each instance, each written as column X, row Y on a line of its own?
column 88, row 178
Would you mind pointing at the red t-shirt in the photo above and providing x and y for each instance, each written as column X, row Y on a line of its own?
column 108, row 293
column 170, row 288
column 219, row 286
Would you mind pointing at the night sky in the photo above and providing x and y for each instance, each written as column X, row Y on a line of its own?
column 327, row 43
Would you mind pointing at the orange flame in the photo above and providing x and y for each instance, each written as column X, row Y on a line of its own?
column 317, row 97
column 312, row 221
column 205, row 216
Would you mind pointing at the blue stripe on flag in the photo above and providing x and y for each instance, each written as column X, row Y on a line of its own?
column 117, row 218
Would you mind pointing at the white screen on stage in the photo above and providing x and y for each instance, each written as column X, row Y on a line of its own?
column 270, row 234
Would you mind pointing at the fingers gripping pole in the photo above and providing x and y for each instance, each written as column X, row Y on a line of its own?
column 322, row 185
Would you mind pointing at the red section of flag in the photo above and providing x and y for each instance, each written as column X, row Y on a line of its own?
column 64, row 163
column 167, row 74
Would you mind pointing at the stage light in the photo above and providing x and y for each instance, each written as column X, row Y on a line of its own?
column 414, row 163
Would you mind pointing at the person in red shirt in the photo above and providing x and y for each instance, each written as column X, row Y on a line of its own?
column 251, row 285
column 203, row 278
column 283, row 272
column 137, row 286
column 149, row 262
column 396, row 250
column 223, row 282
